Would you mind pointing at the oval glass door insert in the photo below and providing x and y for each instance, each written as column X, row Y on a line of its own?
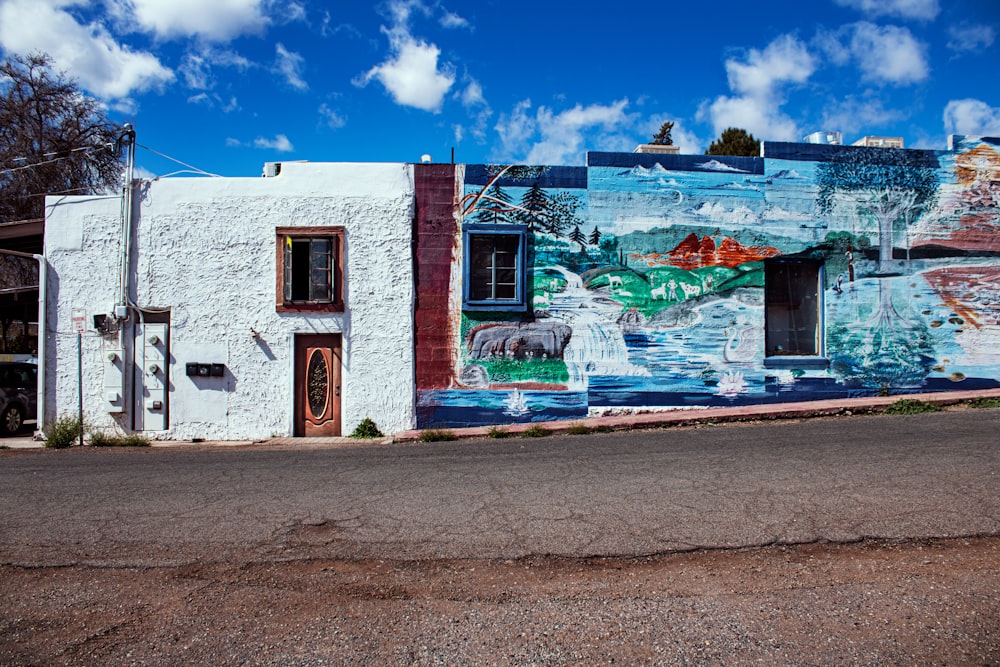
column 318, row 378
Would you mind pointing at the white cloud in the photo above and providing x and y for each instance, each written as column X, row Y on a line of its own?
column 452, row 20
column 972, row 117
column 288, row 12
column 888, row 54
column 331, row 118
column 472, row 96
column 212, row 20
column 516, row 129
column 757, row 82
column 411, row 73
column 196, row 72
column 547, row 137
column 924, row 10
column 760, row 117
column 858, row 115
column 214, row 100
column 970, row 37
column 101, row 65
column 785, row 60
column 289, row 64
column 198, row 65
column 478, row 108
column 124, row 106
column 280, row 143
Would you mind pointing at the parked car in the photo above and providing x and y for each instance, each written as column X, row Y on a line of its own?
column 18, row 395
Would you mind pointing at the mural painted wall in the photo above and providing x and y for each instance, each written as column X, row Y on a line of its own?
column 673, row 281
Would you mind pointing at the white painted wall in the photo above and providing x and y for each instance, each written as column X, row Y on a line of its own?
column 205, row 248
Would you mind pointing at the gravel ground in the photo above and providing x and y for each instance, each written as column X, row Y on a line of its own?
column 869, row 603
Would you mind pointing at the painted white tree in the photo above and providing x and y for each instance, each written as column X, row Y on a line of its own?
column 889, row 185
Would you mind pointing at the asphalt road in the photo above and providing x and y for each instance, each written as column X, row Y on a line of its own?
column 837, row 479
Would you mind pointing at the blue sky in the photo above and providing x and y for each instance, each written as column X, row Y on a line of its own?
column 225, row 85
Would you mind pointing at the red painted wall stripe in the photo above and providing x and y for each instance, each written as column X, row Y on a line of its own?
column 435, row 236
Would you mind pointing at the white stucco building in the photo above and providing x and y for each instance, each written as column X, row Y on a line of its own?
column 235, row 308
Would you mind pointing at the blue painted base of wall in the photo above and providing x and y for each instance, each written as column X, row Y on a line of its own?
column 464, row 408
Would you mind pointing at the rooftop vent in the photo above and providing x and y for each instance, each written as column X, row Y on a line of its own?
column 831, row 138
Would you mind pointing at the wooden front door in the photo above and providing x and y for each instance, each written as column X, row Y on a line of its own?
column 317, row 384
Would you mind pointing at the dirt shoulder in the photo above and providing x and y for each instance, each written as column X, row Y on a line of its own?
column 874, row 602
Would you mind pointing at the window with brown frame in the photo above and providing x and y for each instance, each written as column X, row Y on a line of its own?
column 310, row 269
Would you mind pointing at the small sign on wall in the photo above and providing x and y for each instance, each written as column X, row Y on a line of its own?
column 78, row 316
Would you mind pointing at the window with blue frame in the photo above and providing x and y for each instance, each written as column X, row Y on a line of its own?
column 495, row 272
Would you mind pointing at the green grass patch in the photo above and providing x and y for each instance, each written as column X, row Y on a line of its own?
column 601, row 429
column 367, row 429
column 498, row 432
column 984, row 402
column 507, row 371
column 578, row 429
column 437, row 435
column 535, row 431
column 911, row 406
column 102, row 439
column 64, row 432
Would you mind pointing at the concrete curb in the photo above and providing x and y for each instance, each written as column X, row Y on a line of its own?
column 623, row 422
column 686, row 416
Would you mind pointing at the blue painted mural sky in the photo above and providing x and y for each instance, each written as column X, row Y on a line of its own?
column 224, row 85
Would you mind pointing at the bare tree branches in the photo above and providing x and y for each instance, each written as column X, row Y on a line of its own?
column 52, row 138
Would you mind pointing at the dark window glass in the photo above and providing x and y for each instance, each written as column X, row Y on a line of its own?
column 308, row 269
column 792, row 303
column 493, row 270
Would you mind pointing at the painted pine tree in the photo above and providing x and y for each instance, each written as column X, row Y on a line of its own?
column 595, row 237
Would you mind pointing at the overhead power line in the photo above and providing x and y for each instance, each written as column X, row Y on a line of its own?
column 65, row 155
column 194, row 169
column 62, row 155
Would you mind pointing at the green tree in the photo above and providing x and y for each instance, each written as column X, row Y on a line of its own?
column 474, row 202
column 663, row 138
column 496, row 206
column 595, row 236
column 534, row 207
column 735, row 141
column 53, row 139
column 609, row 249
column 562, row 214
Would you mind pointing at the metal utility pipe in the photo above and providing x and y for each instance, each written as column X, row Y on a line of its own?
column 129, row 136
column 40, row 366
